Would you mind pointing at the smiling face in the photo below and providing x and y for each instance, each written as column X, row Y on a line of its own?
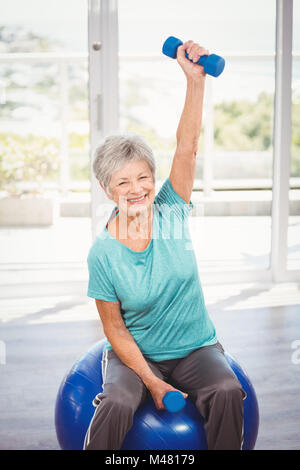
column 132, row 188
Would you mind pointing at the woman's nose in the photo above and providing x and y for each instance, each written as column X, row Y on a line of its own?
column 135, row 187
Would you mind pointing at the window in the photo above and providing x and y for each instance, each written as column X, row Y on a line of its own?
column 293, row 261
column 235, row 157
column 44, row 137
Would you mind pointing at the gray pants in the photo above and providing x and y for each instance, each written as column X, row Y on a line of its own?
column 204, row 375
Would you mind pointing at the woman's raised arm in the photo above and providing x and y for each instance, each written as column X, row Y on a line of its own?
column 184, row 162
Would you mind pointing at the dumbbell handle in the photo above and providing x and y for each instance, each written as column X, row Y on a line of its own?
column 173, row 401
column 201, row 61
column 213, row 64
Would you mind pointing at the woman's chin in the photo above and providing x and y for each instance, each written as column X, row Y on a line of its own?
column 136, row 209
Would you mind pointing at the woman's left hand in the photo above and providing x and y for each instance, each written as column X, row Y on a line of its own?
column 158, row 388
column 191, row 69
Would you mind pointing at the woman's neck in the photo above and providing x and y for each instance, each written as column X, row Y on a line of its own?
column 137, row 227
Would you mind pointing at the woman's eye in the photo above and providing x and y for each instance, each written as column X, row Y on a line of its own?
column 124, row 182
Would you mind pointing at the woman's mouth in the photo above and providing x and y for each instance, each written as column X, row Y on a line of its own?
column 138, row 200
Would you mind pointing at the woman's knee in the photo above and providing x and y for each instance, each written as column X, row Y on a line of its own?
column 226, row 388
column 119, row 399
column 229, row 386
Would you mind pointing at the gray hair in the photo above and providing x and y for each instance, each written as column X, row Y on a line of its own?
column 116, row 151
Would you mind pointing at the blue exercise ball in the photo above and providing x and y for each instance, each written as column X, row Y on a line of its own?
column 152, row 429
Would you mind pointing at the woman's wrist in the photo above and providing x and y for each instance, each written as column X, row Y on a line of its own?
column 195, row 82
column 150, row 380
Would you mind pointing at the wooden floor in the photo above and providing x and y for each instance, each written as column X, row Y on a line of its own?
column 43, row 334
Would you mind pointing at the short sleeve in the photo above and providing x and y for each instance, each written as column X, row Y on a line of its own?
column 100, row 283
column 168, row 196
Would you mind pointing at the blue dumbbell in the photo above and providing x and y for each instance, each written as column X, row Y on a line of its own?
column 174, row 401
column 213, row 64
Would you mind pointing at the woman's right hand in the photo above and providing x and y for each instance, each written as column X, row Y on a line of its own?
column 158, row 388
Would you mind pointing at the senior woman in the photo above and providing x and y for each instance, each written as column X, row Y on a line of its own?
column 144, row 277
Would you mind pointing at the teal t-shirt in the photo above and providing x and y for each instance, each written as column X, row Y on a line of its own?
column 159, row 288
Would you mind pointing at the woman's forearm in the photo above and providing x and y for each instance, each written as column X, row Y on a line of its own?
column 189, row 127
column 130, row 354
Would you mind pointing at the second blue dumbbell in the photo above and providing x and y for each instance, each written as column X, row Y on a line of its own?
column 174, row 401
column 213, row 64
